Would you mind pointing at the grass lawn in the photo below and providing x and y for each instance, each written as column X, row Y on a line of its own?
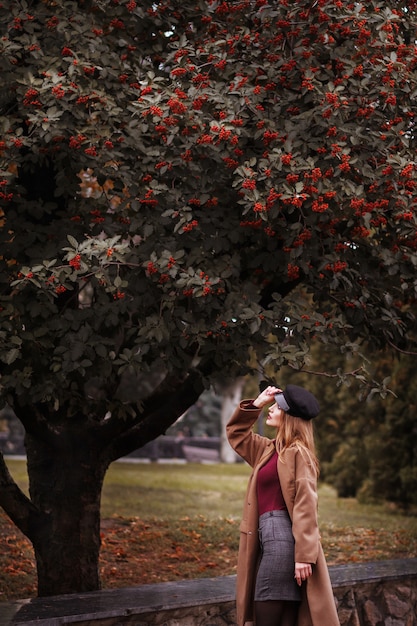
column 165, row 522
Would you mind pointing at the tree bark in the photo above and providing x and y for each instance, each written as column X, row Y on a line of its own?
column 65, row 483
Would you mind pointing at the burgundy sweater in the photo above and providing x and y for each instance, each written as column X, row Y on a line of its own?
column 269, row 492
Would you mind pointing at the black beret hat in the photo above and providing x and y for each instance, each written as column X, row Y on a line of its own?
column 301, row 402
column 298, row 401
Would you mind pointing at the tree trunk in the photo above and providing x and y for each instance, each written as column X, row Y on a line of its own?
column 65, row 483
column 231, row 397
column 67, row 458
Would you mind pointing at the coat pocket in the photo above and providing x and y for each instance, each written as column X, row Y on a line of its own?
column 247, row 534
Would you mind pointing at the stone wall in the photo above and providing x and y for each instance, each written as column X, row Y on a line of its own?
column 377, row 594
column 382, row 593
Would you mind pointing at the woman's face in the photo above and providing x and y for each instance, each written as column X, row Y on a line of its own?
column 274, row 416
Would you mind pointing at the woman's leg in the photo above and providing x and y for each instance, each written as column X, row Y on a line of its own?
column 268, row 612
column 276, row 613
column 289, row 615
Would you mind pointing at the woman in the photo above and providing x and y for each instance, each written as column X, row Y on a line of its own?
column 282, row 576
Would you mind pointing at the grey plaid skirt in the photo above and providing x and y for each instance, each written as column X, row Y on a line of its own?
column 275, row 577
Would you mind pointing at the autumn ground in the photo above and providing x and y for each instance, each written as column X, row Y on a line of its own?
column 176, row 522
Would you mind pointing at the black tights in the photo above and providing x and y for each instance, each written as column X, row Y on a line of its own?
column 276, row 613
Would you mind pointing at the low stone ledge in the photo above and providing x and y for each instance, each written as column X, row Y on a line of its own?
column 95, row 606
column 375, row 571
column 369, row 594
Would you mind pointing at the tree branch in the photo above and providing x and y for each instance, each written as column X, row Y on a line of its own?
column 327, row 374
column 158, row 417
column 353, row 373
column 397, row 349
column 16, row 504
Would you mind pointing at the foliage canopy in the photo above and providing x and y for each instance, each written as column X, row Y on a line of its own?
column 254, row 168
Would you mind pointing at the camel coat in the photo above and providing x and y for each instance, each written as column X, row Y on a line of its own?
column 299, row 487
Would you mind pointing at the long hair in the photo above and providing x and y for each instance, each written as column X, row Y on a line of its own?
column 294, row 431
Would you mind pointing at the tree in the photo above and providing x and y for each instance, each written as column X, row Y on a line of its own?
column 367, row 443
column 202, row 419
column 394, row 437
column 344, row 420
column 187, row 188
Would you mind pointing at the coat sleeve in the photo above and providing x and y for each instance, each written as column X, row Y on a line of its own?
column 305, row 512
column 243, row 440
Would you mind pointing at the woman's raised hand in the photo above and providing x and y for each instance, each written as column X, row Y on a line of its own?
column 267, row 396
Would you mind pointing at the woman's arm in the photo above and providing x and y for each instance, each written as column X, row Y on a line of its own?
column 239, row 432
column 243, row 440
column 304, row 516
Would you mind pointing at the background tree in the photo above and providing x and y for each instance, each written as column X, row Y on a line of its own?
column 202, row 419
column 391, row 442
column 367, row 443
column 187, row 187
column 344, row 413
